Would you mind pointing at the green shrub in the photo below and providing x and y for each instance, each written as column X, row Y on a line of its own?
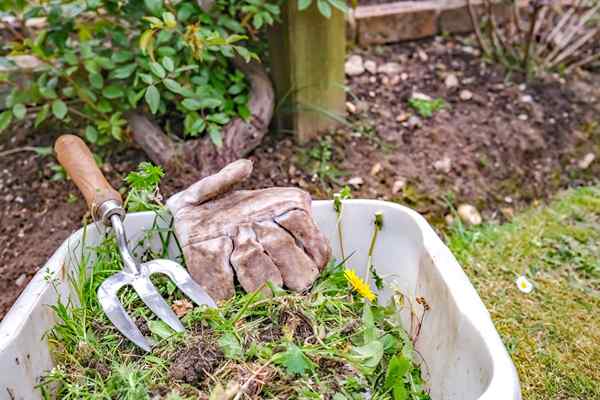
column 103, row 58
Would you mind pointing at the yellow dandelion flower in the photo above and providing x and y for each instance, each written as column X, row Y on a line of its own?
column 359, row 285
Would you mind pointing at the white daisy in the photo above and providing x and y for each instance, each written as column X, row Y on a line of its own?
column 524, row 284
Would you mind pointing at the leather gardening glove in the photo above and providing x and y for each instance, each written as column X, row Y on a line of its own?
column 261, row 235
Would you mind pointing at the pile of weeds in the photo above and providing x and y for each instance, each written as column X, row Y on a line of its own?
column 329, row 343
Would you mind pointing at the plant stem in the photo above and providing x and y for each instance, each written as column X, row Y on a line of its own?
column 377, row 224
column 476, row 27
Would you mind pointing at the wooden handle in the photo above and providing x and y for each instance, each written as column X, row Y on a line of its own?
column 74, row 155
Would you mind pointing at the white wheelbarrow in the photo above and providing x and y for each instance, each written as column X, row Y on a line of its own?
column 463, row 357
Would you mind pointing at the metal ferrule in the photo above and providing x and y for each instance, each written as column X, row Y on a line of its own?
column 106, row 210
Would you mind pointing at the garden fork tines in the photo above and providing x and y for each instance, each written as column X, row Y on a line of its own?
column 106, row 205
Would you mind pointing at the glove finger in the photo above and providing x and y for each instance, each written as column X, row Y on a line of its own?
column 297, row 269
column 208, row 263
column 252, row 266
column 302, row 227
column 211, row 186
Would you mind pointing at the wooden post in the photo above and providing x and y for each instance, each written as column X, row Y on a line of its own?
column 307, row 65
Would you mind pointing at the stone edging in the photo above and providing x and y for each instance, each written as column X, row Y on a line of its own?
column 409, row 20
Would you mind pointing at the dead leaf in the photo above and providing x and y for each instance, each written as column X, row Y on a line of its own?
column 181, row 307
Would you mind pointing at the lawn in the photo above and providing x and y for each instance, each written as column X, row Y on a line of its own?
column 552, row 333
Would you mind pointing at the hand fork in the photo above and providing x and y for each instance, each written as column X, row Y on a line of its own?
column 105, row 204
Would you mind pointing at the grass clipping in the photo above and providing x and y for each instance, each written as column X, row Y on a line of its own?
column 329, row 343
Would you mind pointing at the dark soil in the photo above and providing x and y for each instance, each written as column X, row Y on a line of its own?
column 198, row 358
column 504, row 152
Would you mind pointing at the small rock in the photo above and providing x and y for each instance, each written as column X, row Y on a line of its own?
column 523, row 117
column 508, row 199
column 350, row 107
column 20, row 281
column 449, row 219
column 394, row 80
column 526, row 99
column 354, row 65
column 371, row 94
column 469, row 214
column 466, row 95
column 508, row 212
column 451, row 81
column 362, row 106
column 404, row 76
column 357, row 181
column 376, row 169
column 522, row 87
column 414, row 122
column 385, row 80
column 372, row 80
column 389, row 68
column 586, row 161
column 422, row 55
column 107, row 168
column 292, row 170
column 443, row 165
column 19, row 200
column 371, row 66
column 8, row 198
column 420, row 96
column 398, row 185
column 402, row 117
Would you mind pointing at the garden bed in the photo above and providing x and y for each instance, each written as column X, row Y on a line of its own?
column 498, row 161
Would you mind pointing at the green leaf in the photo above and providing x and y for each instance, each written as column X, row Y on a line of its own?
column 397, row 368
column 113, row 92
column 304, row 4
column 96, row 81
column 157, row 70
column 146, row 177
column 48, row 92
column 104, row 106
column 215, row 135
column 19, row 111
column 370, row 333
column 146, row 42
column 400, row 393
column 91, row 67
column 244, row 112
column 152, row 98
column 154, row 6
column 174, row 86
column 220, row 118
column 105, row 62
column 71, row 58
column 324, row 8
column 294, row 360
column 195, row 104
column 368, row 356
column 122, row 56
column 169, row 20
column 230, row 345
column 340, row 5
column 160, row 329
column 91, row 134
column 168, row 63
column 133, row 97
column 235, row 89
column 124, row 71
column 185, row 12
column 42, row 115
column 5, row 120
column 59, row 109
column 43, row 151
